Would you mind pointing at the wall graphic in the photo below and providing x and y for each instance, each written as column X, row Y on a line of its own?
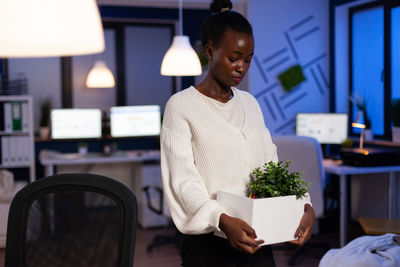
column 298, row 43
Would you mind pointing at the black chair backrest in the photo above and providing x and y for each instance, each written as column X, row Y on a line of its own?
column 72, row 219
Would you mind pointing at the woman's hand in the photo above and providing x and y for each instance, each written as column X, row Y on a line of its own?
column 240, row 235
column 304, row 230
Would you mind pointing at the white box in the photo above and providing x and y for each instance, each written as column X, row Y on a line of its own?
column 274, row 219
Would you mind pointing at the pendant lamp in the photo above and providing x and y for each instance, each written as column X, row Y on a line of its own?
column 180, row 59
column 100, row 76
column 48, row 28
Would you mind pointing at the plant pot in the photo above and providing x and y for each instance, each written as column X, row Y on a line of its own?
column 395, row 134
column 274, row 219
column 44, row 132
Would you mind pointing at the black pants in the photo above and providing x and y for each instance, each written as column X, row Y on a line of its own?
column 208, row 251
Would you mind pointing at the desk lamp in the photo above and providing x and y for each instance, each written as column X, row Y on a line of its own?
column 362, row 127
column 368, row 157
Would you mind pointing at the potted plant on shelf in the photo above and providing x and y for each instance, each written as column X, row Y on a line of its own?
column 44, row 124
column 275, row 204
column 396, row 120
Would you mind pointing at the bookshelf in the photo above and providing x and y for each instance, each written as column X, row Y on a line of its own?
column 17, row 134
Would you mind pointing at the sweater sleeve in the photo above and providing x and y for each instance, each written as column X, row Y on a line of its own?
column 191, row 208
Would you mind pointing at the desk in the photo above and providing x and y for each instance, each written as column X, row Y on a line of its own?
column 148, row 175
column 335, row 167
column 51, row 159
column 378, row 226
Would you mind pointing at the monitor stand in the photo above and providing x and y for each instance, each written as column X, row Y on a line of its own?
column 108, row 147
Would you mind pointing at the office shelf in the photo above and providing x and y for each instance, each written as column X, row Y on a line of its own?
column 17, row 134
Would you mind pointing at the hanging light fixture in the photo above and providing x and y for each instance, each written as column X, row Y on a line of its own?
column 50, row 28
column 100, row 76
column 180, row 59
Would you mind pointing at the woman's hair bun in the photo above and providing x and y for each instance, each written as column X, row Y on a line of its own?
column 217, row 5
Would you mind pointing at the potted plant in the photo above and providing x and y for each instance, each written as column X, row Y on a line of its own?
column 396, row 120
column 275, row 204
column 274, row 180
column 44, row 124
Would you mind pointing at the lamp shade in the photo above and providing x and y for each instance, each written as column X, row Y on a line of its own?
column 181, row 59
column 100, row 76
column 50, row 28
column 358, row 125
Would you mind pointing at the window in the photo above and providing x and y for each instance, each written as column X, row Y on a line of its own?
column 374, row 61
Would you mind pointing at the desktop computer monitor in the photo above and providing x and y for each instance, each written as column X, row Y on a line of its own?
column 135, row 121
column 327, row 128
column 75, row 123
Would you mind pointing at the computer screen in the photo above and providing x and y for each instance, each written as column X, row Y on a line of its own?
column 327, row 128
column 75, row 123
column 134, row 121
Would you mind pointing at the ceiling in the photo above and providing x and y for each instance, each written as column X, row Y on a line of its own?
column 164, row 3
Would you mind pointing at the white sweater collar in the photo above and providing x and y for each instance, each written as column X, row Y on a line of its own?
column 237, row 93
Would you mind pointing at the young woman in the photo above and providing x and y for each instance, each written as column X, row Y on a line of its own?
column 213, row 136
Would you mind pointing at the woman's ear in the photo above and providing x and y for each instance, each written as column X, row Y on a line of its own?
column 209, row 51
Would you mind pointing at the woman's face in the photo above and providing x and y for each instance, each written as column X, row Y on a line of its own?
column 229, row 62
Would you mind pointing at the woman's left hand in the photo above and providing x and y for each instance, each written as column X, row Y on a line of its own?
column 304, row 231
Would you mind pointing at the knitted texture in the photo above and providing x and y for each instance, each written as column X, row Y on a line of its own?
column 202, row 153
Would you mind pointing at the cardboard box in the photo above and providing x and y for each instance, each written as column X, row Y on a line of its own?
column 274, row 219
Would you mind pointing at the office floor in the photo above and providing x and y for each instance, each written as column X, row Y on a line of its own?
column 168, row 255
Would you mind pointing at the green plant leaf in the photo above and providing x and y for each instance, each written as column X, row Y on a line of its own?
column 274, row 179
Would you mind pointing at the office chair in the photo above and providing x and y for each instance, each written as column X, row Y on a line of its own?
column 160, row 240
column 305, row 153
column 74, row 219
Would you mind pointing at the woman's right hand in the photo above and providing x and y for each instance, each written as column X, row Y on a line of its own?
column 240, row 235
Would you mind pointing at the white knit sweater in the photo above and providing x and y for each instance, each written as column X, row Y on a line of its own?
column 202, row 153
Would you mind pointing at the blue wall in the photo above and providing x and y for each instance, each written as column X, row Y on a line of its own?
column 289, row 33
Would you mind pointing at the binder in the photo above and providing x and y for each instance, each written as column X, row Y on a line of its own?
column 25, row 117
column 16, row 116
column 12, row 151
column 27, row 156
column 23, row 150
column 19, row 142
column 1, row 116
column 5, row 146
column 7, row 117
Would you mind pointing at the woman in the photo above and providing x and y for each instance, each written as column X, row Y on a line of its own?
column 213, row 136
